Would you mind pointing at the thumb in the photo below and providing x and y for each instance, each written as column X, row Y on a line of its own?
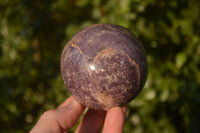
column 59, row 120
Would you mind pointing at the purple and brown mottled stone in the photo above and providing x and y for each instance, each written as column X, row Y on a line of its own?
column 104, row 66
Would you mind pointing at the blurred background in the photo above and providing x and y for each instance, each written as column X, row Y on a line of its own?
column 34, row 32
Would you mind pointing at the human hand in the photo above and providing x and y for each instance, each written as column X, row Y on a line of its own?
column 68, row 113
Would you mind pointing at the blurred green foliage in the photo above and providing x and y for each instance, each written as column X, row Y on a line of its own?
column 34, row 32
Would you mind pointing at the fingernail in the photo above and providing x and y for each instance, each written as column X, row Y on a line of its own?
column 75, row 103
column 124, row 109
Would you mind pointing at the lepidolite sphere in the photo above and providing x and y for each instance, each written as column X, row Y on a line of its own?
column 104, row 66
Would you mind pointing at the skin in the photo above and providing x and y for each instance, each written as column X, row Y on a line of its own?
column 68, row 113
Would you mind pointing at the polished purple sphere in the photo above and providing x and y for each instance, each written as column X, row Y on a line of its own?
column 104, row 66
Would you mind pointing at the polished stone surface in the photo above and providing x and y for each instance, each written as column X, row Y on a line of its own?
column 104, row 66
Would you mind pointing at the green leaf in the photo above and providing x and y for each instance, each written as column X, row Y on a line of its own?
column 181, row 58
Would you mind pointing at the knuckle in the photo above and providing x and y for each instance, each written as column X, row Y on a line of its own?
column 50, row 114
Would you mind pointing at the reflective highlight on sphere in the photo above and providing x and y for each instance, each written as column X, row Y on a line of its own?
column 92, row 67
column 104, row 66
